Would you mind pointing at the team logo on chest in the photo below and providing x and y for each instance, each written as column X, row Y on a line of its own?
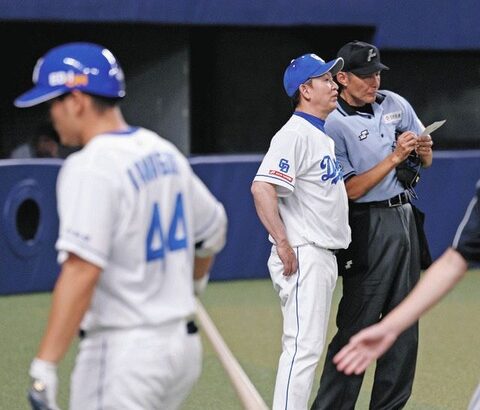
column 333, row 169
column 363, row 135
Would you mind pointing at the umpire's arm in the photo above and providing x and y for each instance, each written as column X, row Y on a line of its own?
column 358, row 185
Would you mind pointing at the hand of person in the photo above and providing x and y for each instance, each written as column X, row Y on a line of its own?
column 199, row 285
column 424, row 145
column 406, row 143
column 364, row 348
column 43, row 392
column 288, row 258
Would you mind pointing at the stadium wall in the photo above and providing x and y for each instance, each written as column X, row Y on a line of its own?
column 29, row 221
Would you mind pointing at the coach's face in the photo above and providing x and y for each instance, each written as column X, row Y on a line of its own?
column 359, row 90
column 320, row 94
column 62, row 113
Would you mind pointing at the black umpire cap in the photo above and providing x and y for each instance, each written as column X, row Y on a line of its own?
column 361, row 58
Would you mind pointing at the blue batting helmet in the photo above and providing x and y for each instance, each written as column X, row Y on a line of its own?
column 85, row 67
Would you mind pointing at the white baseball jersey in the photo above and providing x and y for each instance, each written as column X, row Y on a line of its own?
column 313, row 202
column 129, row 203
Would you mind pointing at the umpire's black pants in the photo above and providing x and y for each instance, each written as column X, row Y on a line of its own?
column 391, row 271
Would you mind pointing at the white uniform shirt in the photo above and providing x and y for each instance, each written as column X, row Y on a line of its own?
column 130, row 204
column 313, row 202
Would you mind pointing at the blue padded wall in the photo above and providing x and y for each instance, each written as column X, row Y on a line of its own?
column 229, row 178
column 28, row 225
column 444, row 191
column 437, row 25
column 28, row 265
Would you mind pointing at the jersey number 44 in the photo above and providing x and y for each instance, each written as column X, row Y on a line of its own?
column 160, row 241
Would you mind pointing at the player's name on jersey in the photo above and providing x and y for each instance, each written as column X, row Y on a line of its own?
column 151, row 167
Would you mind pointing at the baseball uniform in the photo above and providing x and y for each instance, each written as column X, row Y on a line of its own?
column 126, row 204
column 313, row 205
column 132, row 217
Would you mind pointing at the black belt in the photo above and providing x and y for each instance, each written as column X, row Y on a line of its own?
column 191, row 329
column 394, row 201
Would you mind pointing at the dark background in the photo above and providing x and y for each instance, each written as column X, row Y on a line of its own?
column 237, row 97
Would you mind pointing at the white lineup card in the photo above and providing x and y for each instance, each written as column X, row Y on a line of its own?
column 432, row 127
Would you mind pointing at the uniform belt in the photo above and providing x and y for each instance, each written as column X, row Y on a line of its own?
column 191, row 329
column 394, row 201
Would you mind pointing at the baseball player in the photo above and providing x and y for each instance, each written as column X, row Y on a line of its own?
column 374, row 131
column 132, row 217
column 372, row 342
column 301, row 200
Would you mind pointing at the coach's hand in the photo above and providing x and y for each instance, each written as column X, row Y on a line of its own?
column 288, row 258
column 43, row 392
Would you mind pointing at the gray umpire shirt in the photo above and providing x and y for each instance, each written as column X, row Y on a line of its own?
column 363, row 140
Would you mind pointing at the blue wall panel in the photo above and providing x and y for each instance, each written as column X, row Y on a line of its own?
column 445, row 191
column 247, row 249
column 28, row 262
column 408, row 24
column 30, row 265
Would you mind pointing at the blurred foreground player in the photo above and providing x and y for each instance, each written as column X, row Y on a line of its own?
column 133, row 219
column 371, row 343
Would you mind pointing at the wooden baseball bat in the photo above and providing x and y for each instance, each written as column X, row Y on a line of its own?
column 248, row 395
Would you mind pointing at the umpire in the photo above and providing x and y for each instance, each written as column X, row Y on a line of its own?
column 374, row 131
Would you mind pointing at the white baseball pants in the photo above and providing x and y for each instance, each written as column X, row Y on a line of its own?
column 305, row 301
column 133, row 369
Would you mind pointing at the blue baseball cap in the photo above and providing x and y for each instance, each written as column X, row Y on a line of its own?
column 86, row 67
column 305, row 67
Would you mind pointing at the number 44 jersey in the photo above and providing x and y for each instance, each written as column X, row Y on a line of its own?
column 130, row 204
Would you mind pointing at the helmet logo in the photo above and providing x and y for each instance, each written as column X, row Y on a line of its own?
column 317, row 58
column 67, row 78
column 36, row 70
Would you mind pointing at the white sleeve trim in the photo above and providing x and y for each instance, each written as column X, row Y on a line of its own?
column 82, row 251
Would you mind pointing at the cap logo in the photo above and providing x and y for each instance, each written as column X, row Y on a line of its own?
column 67, row 78
column 316, row 57
column 36, row 70
column 371, row 54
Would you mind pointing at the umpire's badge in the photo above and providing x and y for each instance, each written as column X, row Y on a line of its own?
column 363, row 135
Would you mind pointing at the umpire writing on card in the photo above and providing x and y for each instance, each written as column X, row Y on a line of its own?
column 377, row 143
column 132, row 239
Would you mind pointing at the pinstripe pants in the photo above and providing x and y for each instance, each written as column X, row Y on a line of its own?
column 138, row 368
column 305, row 299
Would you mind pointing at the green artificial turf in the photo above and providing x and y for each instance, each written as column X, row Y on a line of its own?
column 247, row 314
